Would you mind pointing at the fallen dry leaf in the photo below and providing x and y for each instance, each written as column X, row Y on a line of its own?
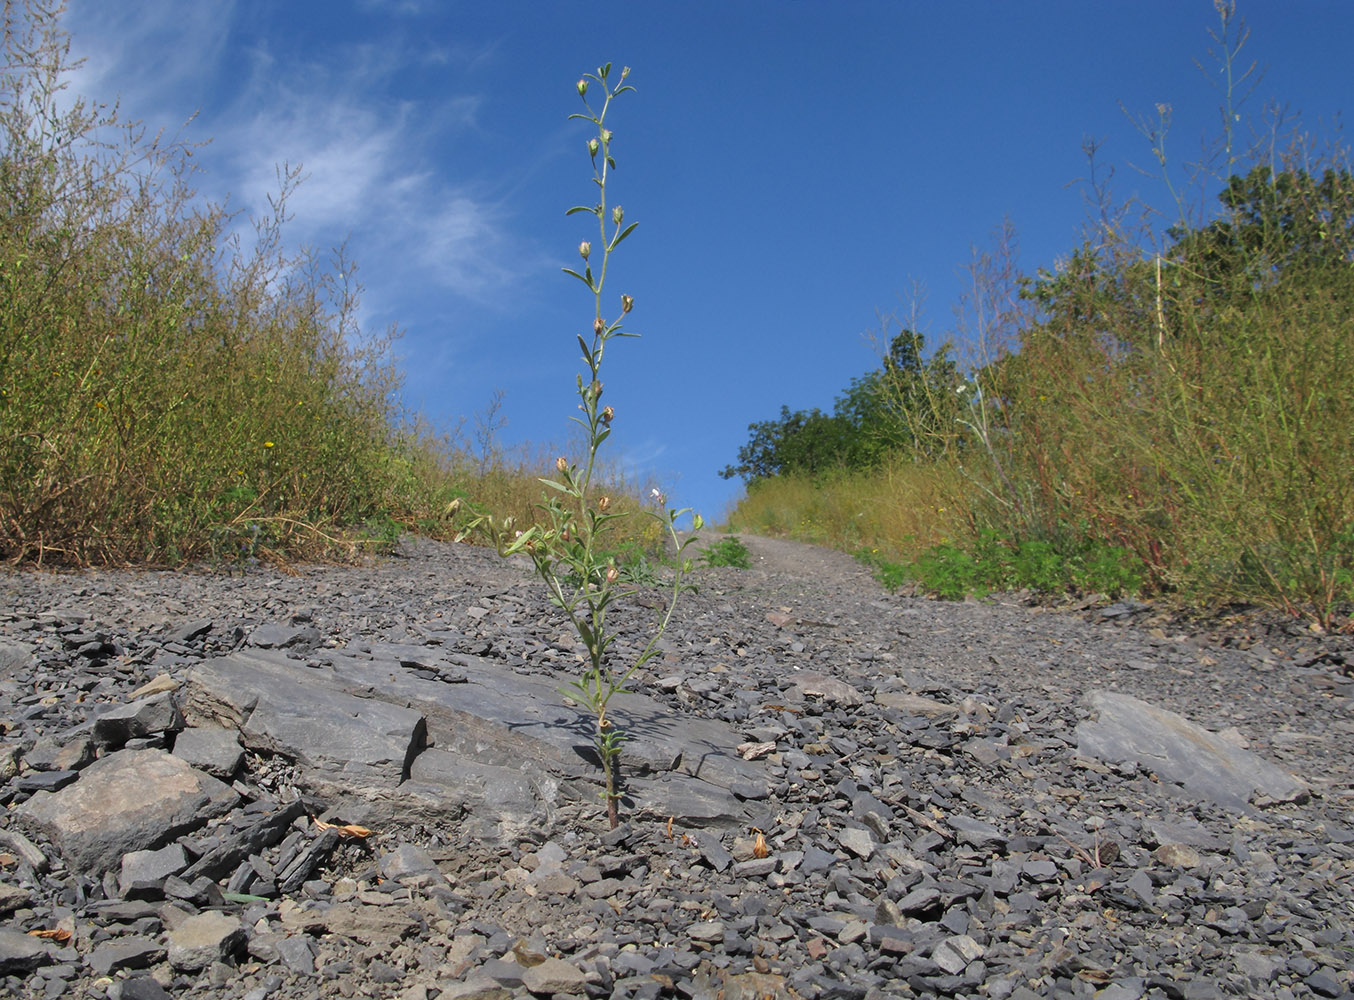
column 347, row 830
column 55, row 934
column 759, row 848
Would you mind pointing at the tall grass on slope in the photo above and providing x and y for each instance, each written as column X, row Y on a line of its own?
column 163, row 395
column 890, row 512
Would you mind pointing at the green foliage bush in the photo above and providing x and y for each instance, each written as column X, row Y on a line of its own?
column 907, row 405
column 728, row 551
column 991, row 562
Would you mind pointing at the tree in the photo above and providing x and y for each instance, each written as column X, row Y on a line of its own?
column 907, row 405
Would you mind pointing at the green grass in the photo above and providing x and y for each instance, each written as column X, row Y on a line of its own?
column 728, row 551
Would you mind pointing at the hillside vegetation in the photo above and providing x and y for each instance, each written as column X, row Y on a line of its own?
column 1169, row 409
column 172, row 393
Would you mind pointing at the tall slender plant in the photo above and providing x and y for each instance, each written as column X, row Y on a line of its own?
column 567, row 547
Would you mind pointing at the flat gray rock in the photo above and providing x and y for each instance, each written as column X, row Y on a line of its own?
column 15, row 658
column 129, row 801
column 281, row 706
column 833, row 690
column 914, row 704
column 212, row 749
column 21, row 953
column 468, row 739
column 156, row 714
column 1124, row 728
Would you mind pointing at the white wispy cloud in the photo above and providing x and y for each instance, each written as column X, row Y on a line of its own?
column 366, row 152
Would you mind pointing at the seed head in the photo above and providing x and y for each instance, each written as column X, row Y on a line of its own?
column 594, row 147
column 607, row 414
column 561, row 464
column 627, row 303
column 604, row 504
column 584, row 249
column 612, row 574
column 598, row 326
column 606, row 136
column 617, row 214
column 582, row 88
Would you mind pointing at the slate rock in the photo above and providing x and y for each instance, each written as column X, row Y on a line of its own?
column 407, row 860
column 156, row 714
column 688, row 801
column 128, row 801
column 15, row 658
column 1125, row 728
column 953, row 954
column 140, row 867
column 914, row 704
column 977, row 832
column 477, row 987
column 503, row 804
column 273, row 636
column 552, row 976
column 143, row 988
column 21, row 953
column 189, row 630
column 128, row 952
column 808, row 683
column 12, row 897
column 211, row 749
column 281, row 706
column 204, row 938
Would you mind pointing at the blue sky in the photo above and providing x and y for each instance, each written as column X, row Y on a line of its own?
column 797, row 170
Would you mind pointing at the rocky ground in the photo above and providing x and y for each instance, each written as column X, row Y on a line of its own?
column 364, row 781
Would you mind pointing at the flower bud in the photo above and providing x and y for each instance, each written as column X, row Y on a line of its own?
column 604, row 504
column 612, row 574
column 593, row 147
column 584, row 249
column 606, row 135
column 595, row 389
column 617, row 214
column 607, row 414
column 561, row 464
column 582, row 88
column 598, row 326
column 627, row 303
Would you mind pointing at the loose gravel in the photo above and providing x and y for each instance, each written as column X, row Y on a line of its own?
column 929, row 825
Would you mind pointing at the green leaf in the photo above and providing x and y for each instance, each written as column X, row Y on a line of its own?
column 580, row 277
column 602, row 435
column 554, row 485
column 622, row 235
column 582, row 208
column 611, row 162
